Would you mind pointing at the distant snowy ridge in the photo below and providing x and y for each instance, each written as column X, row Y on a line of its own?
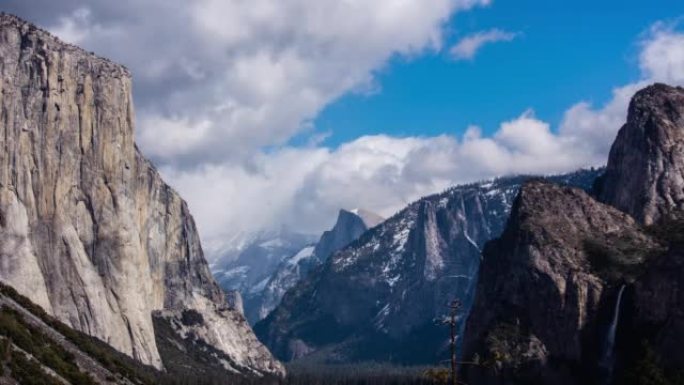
column 387, row 287
column 270, row 263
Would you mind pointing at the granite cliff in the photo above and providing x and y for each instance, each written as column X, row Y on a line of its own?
column 645, row 172
column 88, row 228
column 585, row 289
column 546, row 283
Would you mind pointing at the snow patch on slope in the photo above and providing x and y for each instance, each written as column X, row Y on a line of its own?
column 303, row 254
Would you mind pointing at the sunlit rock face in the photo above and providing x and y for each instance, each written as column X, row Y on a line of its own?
column 586, row 289
column 543, row 283
column 645, row 173
column 88, row 229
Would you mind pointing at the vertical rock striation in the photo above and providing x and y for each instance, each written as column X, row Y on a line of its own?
column 570, row 274
column 349, row 227
column 645, row 173
column 88, row 229
column 377, row 298
column 543, row 282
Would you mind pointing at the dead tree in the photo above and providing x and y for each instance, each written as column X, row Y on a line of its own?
column 450, row 320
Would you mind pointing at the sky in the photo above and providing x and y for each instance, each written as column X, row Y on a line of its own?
column 268, row 114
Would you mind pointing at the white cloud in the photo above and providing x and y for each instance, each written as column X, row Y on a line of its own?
column 218, row 81
column 384, row 173
column 249, row 73
column 303, row 188
column 597, row 127
column 79, row 25
column 661, row 59
column 662, row 55
column 468, row 47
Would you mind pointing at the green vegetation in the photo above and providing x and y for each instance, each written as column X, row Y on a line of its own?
column 669, row 230
column 117, row 363
column 364, row 374
column 52, row 355
column 649, row 370
column 186, row 367
column 620, row 257
column 41, row 347
column 29, row 372
column 506, row 344
column 440, row 376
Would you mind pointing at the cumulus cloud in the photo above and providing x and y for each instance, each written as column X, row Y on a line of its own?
column 662, row 55
column 303, row 188
column 598, row 126
column 241, row 74
column 468, row 47
column 219, row 81
column 661, row 59
column 384, row 173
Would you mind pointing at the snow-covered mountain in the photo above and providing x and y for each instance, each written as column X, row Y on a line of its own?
column 263, row 266
column 349, row 226
column 288, row 273
column 377, row 299
column 249, row 265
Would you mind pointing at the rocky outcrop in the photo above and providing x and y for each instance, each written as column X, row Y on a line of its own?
column 645, row 178
column 88, row 229
column 543, row 283
column 377, row 298
column 577, row 292
column 645, row 173
column 656, row 309
column 235, row 301
column 349, row 226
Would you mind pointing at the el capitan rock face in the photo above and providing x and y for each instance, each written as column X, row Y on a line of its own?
column 88, row 229
column 645, row 173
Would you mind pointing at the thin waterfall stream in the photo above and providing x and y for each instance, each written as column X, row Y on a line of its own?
column 608, row 357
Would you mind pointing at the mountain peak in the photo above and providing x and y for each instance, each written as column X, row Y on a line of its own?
column 387, row 287
column 645, row 172
column 369, row 218
column 542, row 283
column 657, row 88
column 552, row 284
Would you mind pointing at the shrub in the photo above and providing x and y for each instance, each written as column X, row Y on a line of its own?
column 29, row 372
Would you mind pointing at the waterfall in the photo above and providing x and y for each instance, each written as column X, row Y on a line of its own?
column 608, row 359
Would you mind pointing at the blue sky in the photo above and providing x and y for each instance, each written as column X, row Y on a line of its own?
column 566, row 52
column 233, row 96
